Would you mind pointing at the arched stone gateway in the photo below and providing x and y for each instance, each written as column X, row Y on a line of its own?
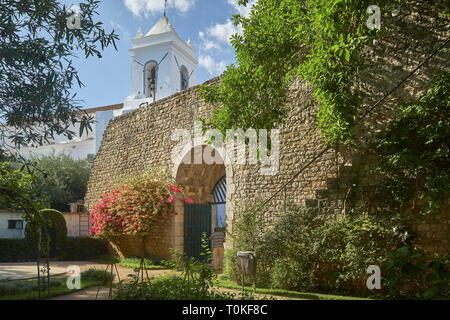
column 199, row 180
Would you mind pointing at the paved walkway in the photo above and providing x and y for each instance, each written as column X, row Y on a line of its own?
column 26, row 270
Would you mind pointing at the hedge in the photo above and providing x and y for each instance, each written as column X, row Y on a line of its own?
column 22, row 250
column 17, row 250
column 54, row 219
column 84, row 248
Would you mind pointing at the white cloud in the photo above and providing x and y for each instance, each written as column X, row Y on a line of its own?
column 125, row 33
column 207, row 44
column 243, row 11
column 209, row 63
column 146, row 7
column 215, row 40
column 223, row 31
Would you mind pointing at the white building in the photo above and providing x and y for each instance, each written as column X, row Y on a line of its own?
column 12, row 225
column 81, row 147
column 161, row 65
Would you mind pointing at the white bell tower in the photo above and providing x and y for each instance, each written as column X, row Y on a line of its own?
column 161, row 65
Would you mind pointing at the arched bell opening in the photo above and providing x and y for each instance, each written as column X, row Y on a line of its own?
column 150, row 77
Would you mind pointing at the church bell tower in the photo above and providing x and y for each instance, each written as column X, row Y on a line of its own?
column 161, row 65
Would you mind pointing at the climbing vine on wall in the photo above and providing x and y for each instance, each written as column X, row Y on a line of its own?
column 414, row 151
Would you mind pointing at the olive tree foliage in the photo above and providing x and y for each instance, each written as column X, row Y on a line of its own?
column 17, row 188
column 321, row 42
column 62, row 179
column 18, row 192
column 37, row 76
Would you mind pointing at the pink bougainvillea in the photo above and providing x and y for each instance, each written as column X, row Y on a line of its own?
column 134, row 207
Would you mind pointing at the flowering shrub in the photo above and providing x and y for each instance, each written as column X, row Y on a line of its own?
column 136, row 206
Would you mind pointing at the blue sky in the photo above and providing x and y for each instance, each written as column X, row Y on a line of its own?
column 206, row 22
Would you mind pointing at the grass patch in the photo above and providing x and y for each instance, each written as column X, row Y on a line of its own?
column 285, row 293
column 131, row 262
column 134, row 262
column 105, row 259
column 54, row 291
column 28, row 289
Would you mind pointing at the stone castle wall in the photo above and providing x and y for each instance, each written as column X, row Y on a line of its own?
column 142, row 139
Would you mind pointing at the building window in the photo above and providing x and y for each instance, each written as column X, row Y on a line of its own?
column 15, row 224
column 90, row 157
column 80, row 208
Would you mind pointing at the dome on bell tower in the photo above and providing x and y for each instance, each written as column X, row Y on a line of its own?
column 162, row 26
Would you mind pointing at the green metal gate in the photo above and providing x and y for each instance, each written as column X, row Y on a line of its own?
column 197, row 219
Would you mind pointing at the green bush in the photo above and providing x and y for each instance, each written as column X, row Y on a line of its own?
column 54, row 219
column 411, row 274
column 414, row 152
column 309, row 252
column 19, row 185
column 195, row 283
column 246, row 237
column 168, row 287
column 97, row 275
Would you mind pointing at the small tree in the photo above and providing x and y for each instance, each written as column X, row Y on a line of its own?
column 37, row 44
column 16, row 186
column 62, row 179
column 136, row 206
